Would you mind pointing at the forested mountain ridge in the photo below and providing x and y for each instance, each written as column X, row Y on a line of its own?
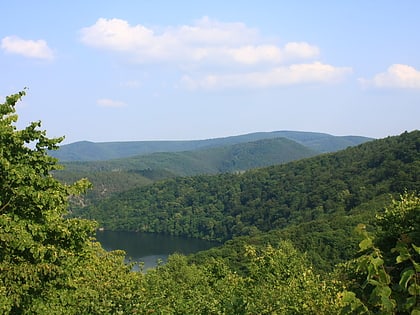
column 122, row 174
column 230, row 158
column 226, row 205
column 95, row 151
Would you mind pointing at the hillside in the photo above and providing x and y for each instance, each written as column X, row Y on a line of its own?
column 336, row 185
column 92, row 151
column 123, row 174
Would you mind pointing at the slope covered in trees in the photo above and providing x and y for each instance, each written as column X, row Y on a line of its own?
column 123, row 174
column 237, row 157
column 314, row 202
column 96, row 151
column 226, row 205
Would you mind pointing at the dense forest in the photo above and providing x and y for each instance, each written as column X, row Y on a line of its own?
column 122, row 174
column 51, row 263
column 330, row 189
column 144, row 162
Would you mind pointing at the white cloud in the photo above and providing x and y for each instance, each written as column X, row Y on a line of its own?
column 206, row 31
column 279, row 76
column 237, row 55
column 116, row 34
column 396, row 76
column 300, row 50
column 106, row 102
column 204, row 41
column 256, row 54
column 28, row 48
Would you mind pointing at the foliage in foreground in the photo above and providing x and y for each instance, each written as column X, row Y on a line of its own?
column 275, row 281
column 385, row 278
column 48, row 264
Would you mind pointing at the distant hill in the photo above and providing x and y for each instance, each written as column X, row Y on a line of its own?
column 227, row 205
column 122, row 174
column 228, row 158
column 100, row 151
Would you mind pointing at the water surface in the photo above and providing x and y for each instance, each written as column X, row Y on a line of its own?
column 149, row 248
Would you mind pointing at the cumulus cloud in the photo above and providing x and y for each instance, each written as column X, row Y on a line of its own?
column 396, row 76
column 238, row 55
column 28, row 48
column 300, row 50
column 106, row 102
column 279, row 76
column 204, row 41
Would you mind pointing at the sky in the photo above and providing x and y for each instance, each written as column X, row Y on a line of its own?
column 185, row 70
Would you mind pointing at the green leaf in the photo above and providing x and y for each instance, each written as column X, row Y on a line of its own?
column 416, row 266
column 384, row 291
column 377, row 262
column 410, row 302
column 383, row 276
column 349, row 296
column 404, row 253
column 388, row 305
column 365, row 244
column 406, row 277
column 414, row 289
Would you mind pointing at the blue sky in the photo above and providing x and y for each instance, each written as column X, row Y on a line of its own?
column 181, row 70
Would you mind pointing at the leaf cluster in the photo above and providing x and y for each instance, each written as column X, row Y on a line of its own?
column 385, row 277
column 46, row 260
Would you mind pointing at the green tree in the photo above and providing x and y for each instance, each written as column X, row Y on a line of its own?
column 385, row 278
column 274, row 281
column 48, row 264
column 282, row 281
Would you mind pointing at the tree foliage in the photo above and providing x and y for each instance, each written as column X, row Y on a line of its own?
column 226, row 205
column 46, row 261
column 384, row 279
column 274, row 281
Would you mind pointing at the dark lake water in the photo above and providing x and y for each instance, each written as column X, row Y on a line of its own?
column 149, row 248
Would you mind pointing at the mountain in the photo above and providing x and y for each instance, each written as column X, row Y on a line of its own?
column 122, row 174
column 314, row 202
column 236, row 157
column 99, row 151
column 226, row 205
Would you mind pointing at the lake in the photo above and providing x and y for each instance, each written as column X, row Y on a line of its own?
column 148, row 247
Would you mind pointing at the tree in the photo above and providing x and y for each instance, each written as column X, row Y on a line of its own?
column 282, row 281
column 274, row 281
column 385, row 278
column 48, row 263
